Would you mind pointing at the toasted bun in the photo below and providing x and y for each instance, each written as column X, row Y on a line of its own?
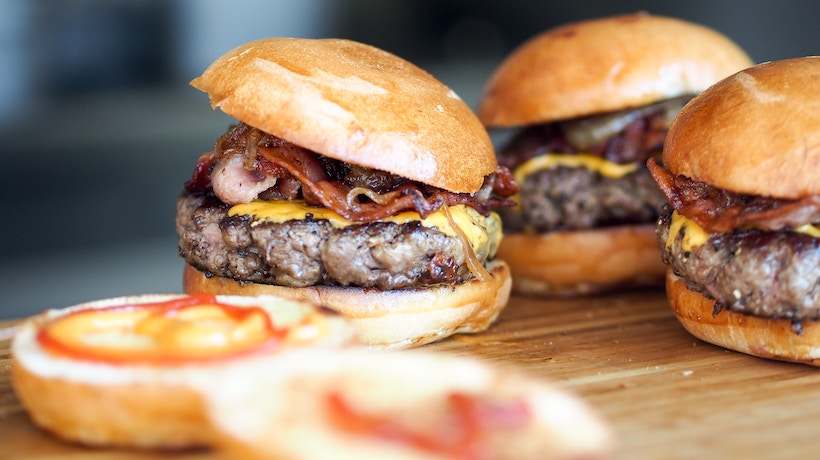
column 764, row 337
column 583, row 262
column 400, row 318
column 603, row 65
column 148, row 406
column 280, row 409
column 755, row 132
column 156, row 415
column 354, row 103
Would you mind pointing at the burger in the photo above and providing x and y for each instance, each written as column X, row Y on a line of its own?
column 741, row 230
column 578, row 110
column 352, row 179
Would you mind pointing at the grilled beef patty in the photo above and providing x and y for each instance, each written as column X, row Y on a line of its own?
column 300, row 253
column 567, row 199
column 580, row 199
column 760, row 273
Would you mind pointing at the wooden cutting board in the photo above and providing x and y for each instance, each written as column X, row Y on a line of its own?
column 666, row 394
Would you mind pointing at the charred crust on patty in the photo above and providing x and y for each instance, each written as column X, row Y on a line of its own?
column 306, row 252
column 762, row 273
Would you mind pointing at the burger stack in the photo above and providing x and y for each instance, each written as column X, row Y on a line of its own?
column 585, row 105
column 741, row 230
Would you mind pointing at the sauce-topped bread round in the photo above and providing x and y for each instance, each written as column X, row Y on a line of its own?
column 410, row 404
column 116, row 372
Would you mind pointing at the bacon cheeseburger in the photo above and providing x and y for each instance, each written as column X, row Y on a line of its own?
column 590, row 102
column 355, row 180
column 741, row 233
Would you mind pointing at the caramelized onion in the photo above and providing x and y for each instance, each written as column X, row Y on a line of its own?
column 251, row 147
column 372, row 195
column 475, row 265
column 585, row 133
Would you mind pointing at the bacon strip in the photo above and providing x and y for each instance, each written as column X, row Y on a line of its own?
column 200, row 181
column 720, row 211
column 333, row 194
column 322, row 181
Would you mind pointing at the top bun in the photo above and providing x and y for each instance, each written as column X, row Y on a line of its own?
column 354, row 103
column 606, row 64
column 756, row 132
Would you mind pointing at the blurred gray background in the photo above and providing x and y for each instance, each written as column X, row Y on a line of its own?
column 99, row 128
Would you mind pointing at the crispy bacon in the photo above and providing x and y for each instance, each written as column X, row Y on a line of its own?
column 501, row 183
column 720, row 211
column 327, row 182
column 333, row 194
column 200, row 181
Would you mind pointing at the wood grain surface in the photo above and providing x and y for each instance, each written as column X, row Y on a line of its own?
column 666, row 394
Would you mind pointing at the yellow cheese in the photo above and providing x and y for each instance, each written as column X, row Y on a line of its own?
column 603, row 167
column 481, row 232
column 809, row 230
column 694, row 235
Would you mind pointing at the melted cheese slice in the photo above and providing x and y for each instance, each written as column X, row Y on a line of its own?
column 603, row 167
column 481, row 232
column 694, row 235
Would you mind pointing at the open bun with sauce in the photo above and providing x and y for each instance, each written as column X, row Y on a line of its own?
column 410, row 404
column 741, row 230
column 355, row 178
column 118, row 372
column 587, row 103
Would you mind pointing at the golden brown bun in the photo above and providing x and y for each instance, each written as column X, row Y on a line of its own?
column 755, row 132
column 400, row 318
column 146, row 406
column 133, row 415
column 395, row 319
column 583, row 262
column 603, row 65
column 279, row 408
column 763, row 337
column 355, row 103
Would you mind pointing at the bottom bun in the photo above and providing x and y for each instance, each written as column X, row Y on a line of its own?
column 412, row 404
column 396, row 319
column 772, row 338
column 583, row 262
column 144, row 415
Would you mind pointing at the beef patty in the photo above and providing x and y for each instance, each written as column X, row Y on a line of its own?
column 300, row 253
column 568, row 199
column 581, row 199
column 761, row 273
